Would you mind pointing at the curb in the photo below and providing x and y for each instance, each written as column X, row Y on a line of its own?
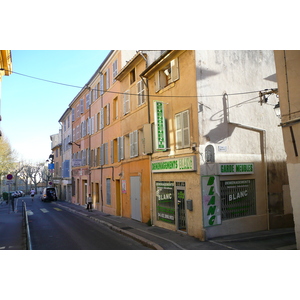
column 134, row 236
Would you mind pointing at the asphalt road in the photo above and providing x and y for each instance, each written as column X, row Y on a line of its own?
column 53, row 228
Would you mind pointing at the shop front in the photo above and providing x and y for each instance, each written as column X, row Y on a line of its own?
column 176, row 195
column 234, row 200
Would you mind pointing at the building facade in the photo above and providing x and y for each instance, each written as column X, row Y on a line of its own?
column 66, row 153
column 287, row 71
column 56, row 177
column 182, row 139
column 242, row 157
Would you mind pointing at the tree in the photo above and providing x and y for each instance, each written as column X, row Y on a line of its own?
column 7, row 158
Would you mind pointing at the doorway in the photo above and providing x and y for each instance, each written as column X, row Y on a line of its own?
column 135, row 197
column 180, row 200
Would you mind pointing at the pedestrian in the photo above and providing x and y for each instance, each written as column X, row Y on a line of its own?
column 12, row 199
column 89, row 203
column 32, row 192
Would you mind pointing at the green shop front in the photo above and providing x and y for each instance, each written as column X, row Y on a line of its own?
column 234, row 199
column 176, row 186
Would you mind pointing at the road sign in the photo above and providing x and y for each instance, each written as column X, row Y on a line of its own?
column 9, row 177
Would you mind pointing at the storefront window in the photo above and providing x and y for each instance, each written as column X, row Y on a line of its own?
column 238, row 198
column 165, row 203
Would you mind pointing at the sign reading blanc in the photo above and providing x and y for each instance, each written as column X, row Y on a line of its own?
column 236, row 169
column 160, row 127
column 182, row 164
column 211, row 201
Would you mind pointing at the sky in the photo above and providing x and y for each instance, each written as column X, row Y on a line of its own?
column 31, row 108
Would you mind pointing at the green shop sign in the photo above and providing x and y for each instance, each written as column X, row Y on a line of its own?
column 160, row 127
column 182, row 164
column 211, row 201
column 236, row 169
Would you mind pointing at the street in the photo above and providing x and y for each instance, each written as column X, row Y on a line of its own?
column 54, row 228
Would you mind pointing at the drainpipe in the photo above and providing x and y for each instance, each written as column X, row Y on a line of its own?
column 145, row 80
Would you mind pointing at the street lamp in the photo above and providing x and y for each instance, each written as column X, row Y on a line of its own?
column 277, row 110
column 71, row 143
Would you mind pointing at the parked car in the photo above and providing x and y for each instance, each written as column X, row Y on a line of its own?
column 49, row 194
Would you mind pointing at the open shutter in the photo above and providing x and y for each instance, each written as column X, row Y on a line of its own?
column 178, row 125
column 101, row 118
column 174, row 69
column 126, row 103
column 186, row 128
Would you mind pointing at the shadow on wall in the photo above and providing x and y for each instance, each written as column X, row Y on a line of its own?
column 224, row 129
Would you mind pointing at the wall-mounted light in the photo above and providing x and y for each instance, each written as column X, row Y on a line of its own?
column 277, row 110
column 71, row 143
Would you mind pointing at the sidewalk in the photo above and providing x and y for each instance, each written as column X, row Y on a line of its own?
column 11, row 227
column 163, row 239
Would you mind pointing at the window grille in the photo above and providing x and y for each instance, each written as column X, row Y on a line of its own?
column 238, row 198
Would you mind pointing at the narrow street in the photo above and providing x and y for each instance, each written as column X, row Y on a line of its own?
column 53, row 228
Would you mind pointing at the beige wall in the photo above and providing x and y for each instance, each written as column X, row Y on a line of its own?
column 288, row 76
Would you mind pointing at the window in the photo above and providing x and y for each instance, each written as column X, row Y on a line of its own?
column 73, row 114
column 141, row 92
column 108, row 191
column 132, row 76
column 115, row 109
column 115, row 69
column 134, row 149
column 167, row 75
column 182, row 127
column 237, row 198
column 126, row 103
column 69, row 120
column 114, row 150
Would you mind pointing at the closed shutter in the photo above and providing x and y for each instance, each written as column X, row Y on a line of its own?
column 126, row 103
column 101, row 118
column 120, row 148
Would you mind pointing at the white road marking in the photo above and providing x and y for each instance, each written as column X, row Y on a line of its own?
column 29, row 213
column 44, row 210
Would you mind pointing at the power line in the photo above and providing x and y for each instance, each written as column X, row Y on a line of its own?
column 130, row 94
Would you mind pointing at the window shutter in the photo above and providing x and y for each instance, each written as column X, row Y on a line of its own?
column 92, row 125
column 178, row 124
column 185, row 129
column 126, row 103
column 101, row 85
column 112, row 151
column 157, row 81
column 101, row 118
column 73, row 114
column 120, row 148
column 108, row 114
column 108, row 79
column 140, row 86
column 102, row 155
column 81, row 106
column 174, row 69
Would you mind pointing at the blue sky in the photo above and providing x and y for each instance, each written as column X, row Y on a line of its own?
column 31, row 108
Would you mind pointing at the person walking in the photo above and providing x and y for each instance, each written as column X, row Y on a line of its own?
column 89, row 203
column 32, row 192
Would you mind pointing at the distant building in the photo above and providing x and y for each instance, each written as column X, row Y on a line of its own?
column 66, row 155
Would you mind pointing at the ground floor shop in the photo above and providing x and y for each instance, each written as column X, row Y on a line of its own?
column 176, row 197
column 234, row 199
